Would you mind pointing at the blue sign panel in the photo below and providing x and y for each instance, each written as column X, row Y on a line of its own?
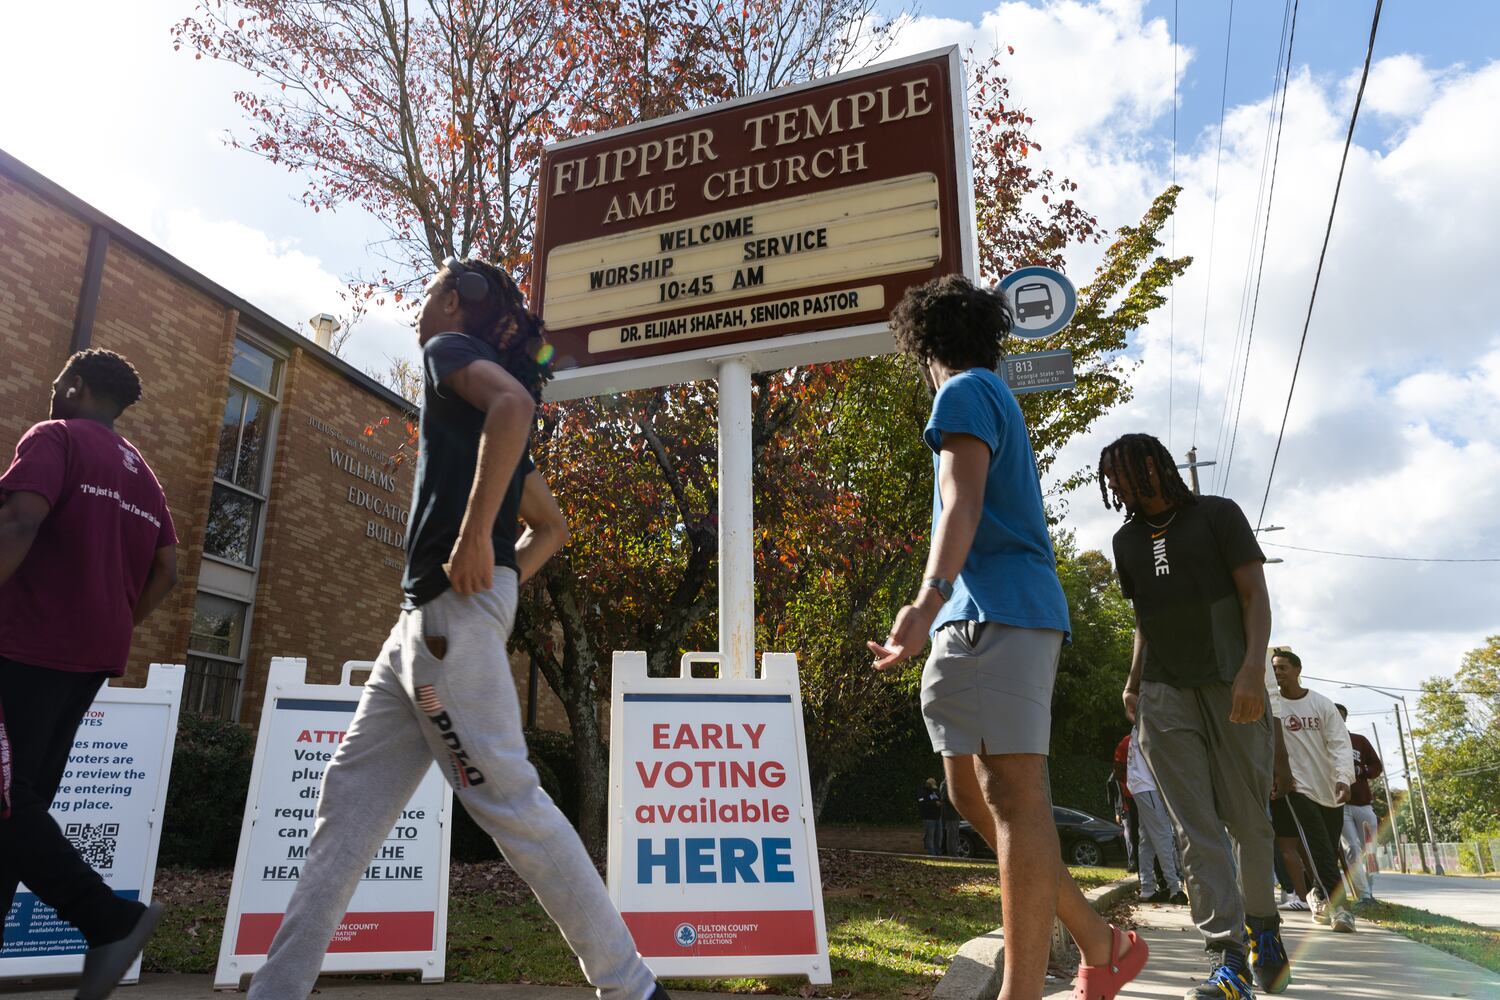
column 1038, row 372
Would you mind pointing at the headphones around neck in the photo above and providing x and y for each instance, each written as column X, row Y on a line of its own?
column 473, row 286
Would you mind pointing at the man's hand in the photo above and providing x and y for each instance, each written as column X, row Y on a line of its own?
column 1341, row 793
column 908, row 635
column 471, row 568
column 1249, row 695
column 1130, row 698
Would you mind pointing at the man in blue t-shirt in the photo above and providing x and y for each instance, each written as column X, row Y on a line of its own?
column 992, row 603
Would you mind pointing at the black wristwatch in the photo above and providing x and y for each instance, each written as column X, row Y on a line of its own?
column 943, row 587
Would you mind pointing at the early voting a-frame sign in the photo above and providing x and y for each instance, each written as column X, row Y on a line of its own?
column 755, row 235
column 110, row 806
column 713, row 861
column 398, row 917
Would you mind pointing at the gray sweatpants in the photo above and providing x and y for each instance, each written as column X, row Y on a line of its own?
column 1214, row 774
column 1156, row 844
column 456, row 705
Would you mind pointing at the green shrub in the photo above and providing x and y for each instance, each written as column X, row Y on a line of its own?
column 206, row 795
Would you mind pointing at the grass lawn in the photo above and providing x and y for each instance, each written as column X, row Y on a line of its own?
column 892, row 924
column 1471, row 942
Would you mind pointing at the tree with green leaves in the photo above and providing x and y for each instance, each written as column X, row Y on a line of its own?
column 430, row 116
column 1459, row 733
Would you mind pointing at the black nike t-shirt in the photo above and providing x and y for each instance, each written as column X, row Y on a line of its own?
column 1177, row 567
column 448, row 439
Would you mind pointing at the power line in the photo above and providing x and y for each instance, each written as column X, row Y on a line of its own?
column 1322, row 254
column 1392, row 687
column 1213, row 224
column 1286, row 86
column 1367, row 555
column 1172, row 305
column 1221, row 439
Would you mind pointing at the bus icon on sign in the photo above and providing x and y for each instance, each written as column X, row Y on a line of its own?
column 1033, row 299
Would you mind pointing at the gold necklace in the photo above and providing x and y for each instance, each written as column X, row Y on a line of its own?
column 1169, row 520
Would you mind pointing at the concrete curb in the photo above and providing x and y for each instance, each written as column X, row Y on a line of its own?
column 975, row 972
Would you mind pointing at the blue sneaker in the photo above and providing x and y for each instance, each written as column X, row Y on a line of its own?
column 1273, row 969
column 1224, row 984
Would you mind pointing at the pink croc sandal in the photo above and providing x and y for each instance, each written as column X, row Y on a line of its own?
column 1102, row 982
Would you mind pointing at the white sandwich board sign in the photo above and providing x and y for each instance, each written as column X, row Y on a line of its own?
column 110, row 806
column 398, row 918
column 713, row 860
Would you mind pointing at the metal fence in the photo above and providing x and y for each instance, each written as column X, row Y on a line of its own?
column 1467, row 857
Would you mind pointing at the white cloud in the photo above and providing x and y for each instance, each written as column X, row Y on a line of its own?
column 285, row 280
column 1392, row 444
column 1399, row 86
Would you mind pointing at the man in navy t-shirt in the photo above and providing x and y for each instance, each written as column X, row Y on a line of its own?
column 441, row 688
column 997, row 616
column 87, row 550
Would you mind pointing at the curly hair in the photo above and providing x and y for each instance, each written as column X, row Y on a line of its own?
column 502, row 320
column 1127, row 456
column 950, row 321
column 107, row 376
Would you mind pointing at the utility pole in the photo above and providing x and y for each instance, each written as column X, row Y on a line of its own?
column 1416, row 757
column 1406, row 770
column 1390, row 803
column 1193, row 465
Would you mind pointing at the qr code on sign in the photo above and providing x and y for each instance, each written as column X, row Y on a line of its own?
column 95, row 842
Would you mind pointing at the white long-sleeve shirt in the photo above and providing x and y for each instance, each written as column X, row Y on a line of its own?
column 1317, row 745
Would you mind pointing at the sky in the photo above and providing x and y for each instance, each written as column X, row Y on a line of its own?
column 1391, row 445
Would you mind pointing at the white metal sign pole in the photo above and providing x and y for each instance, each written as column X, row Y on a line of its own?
column 736, row 522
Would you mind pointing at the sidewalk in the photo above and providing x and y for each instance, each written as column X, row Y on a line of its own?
column 333, row 988
column 1369, row 964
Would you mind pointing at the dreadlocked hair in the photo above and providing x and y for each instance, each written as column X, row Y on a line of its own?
column 1127, row 457
column 502, row 320
column 107, row 375
column 950, row 321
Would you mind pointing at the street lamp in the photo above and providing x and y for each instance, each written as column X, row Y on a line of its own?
column 1271, row 527
column 1416, row 756
column 1274, row 559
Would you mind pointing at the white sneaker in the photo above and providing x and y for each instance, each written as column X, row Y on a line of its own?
column 1296, row 904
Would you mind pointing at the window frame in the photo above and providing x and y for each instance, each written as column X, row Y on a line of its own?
column 240, row 660
column 262, row 496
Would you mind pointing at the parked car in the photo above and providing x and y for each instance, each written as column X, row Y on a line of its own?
column 1086, row 839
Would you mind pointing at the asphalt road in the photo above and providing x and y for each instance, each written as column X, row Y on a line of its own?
column 1476, row 900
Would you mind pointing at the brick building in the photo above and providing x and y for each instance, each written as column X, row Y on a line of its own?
column 276, row 456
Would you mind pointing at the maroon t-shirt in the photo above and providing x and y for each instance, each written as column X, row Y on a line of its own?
column 71, row 603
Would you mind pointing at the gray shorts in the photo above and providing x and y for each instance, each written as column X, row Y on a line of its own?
column 992, row 696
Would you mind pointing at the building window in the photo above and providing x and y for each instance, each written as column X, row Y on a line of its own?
column 236, row 510
column 241, row 467
column 216, row 656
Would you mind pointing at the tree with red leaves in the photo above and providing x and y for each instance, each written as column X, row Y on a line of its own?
column 432, row 121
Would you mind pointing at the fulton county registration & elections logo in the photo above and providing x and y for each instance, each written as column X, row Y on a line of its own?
column 685, row 935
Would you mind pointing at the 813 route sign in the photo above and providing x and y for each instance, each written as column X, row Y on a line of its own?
column 1038, row 372
column 784, row 226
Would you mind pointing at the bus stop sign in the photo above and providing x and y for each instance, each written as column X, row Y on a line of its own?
column 1043, row 300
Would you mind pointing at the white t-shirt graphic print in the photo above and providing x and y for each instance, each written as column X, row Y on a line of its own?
column 1317, row 745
